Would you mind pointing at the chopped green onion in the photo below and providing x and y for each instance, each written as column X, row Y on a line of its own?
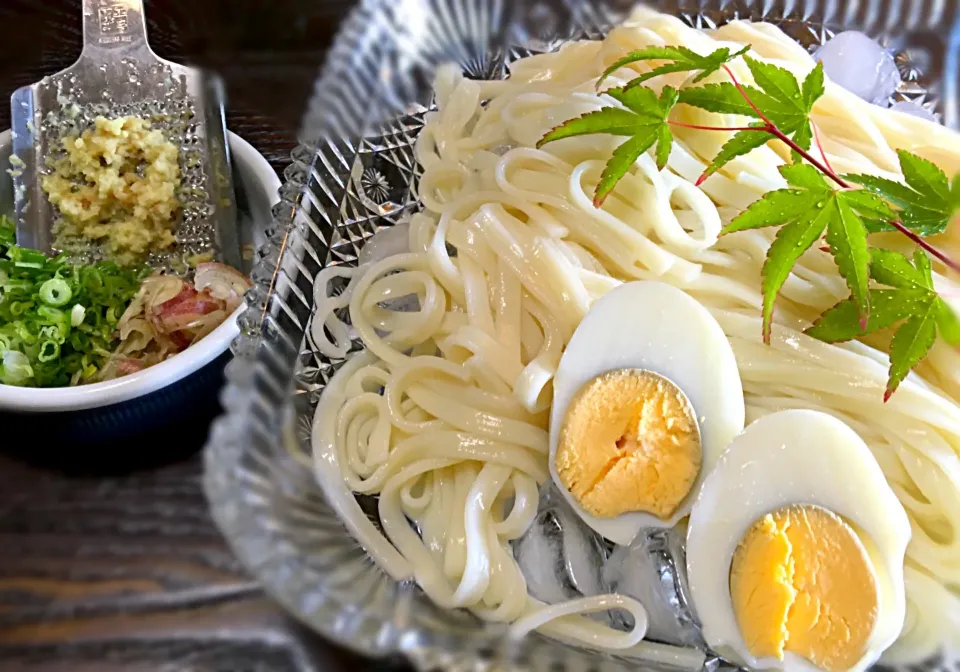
column 76, row 315
column 24, row 333
column 15, row 368
column 54, row 332
column 55, row 292
column 79, row 340
column 25, row 258
column 53, row 315
column 49, row 351
column 99, row 322
column 58, row 320
column 92, row 280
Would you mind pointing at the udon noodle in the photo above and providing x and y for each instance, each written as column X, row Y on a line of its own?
column 444, row 414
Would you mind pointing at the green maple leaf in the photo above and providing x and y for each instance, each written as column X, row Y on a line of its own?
column 913, row 303
column 926, row 202
column 806, row 209
column 723, row 98
column 680, row 59
column 741, row 143
column 955, row 192
column 644, row 121
column 777, row 96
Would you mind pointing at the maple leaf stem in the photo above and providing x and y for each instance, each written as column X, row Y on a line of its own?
column 736, row 83
column 782, row 137
column 698, row 127
column 816, row 137
column 927, row 247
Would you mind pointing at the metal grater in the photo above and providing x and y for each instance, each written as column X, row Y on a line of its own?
column 118, row 74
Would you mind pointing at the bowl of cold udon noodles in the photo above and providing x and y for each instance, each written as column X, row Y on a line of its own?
column 602, row 337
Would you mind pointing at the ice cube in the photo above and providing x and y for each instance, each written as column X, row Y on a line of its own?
column 560, row 557
column 859, row 64
column 652, row 570
column 539, row 552
column 915, row 109
column 583, row 553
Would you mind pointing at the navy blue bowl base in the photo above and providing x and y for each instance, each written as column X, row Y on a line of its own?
column 166, row 416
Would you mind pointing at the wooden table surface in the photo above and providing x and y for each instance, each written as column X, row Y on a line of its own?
column 108, row 557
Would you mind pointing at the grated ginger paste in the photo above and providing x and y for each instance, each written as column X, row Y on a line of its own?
column 116, row 186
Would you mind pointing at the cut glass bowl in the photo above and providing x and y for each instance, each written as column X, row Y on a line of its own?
column 354, row 174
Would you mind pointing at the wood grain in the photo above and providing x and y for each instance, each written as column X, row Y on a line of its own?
column 108, row 557
column 128, row 572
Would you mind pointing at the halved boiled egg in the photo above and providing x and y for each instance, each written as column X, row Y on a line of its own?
column 795, row 548
column 646, row 397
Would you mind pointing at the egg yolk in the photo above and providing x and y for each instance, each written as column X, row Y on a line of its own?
column 801, row 581
column 629, row 442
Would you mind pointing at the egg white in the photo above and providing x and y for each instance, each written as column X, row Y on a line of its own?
column 659, row 328
column 785, row 458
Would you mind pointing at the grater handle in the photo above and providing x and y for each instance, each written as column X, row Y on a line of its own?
column 114, row 25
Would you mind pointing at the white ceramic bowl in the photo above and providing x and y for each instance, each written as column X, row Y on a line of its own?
column 257, row 187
